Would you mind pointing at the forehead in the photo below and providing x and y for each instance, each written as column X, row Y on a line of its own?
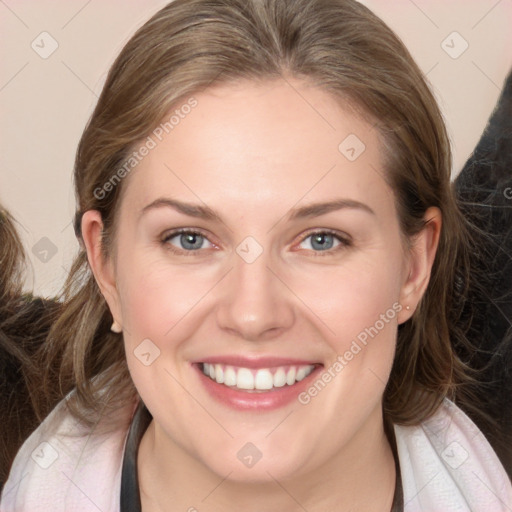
column 261, row 144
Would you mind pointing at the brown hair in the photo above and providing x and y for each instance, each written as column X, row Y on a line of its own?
column 24, row 324
column 337, row 45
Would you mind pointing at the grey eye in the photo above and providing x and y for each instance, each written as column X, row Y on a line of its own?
column 320, row 242
column 189, row 241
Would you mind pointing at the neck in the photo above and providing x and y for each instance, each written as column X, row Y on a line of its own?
column 358, row 477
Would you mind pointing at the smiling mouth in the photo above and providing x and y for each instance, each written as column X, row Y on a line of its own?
column 256, row 380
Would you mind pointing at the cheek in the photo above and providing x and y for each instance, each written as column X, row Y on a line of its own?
column 156, row 296
column 158, row 300
column 352, row 297
column 358, row 305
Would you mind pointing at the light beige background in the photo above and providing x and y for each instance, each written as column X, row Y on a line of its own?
column 45, row 103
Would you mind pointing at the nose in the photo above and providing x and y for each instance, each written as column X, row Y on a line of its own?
column 255, row 304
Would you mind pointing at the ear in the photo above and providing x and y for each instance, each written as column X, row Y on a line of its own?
column 421, row 258
column 103, row 269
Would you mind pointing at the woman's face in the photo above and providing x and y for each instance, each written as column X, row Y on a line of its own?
column 291, row 277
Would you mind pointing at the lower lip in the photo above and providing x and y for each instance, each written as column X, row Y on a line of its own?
column 255, row 400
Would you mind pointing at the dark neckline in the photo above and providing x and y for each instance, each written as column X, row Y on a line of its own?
column 130, row 493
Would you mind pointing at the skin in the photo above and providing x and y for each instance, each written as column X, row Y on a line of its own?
column 253, row 153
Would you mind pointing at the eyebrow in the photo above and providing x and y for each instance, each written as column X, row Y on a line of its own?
column 192, row 210
column 206, row 213
column 317, row 209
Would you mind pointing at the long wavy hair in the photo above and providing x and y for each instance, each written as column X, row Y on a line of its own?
column 337, row 45
column 24, row 324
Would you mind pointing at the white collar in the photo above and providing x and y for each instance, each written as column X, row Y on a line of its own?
column 447, row 465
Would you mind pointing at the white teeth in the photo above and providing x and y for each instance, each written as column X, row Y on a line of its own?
column 219, row 374
column 262, row 379
column 290, row 376
column 279, row 378
column 301, row 373
column 244, row 379
column 230, row 376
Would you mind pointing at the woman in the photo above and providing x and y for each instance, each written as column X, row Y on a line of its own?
column 265, row 309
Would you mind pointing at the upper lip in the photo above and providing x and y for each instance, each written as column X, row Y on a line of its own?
column 256, row 362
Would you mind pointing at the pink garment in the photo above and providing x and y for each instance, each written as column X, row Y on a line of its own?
column 446, row 465
column 61, row 467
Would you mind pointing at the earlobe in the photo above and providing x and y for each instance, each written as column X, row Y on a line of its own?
column 421, row 259
column 102, row 269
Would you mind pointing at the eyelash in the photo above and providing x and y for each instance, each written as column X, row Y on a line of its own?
column 345, row 241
